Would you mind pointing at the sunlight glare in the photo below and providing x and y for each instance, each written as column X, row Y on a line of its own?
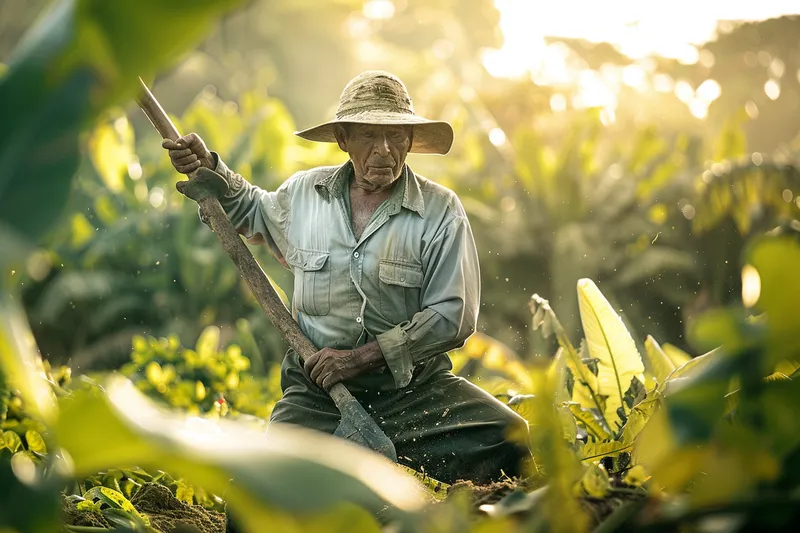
column 558, row 103
column 663, row 83
column 772, row 89
column 634, row 76
column 698, row 108
column 379, row 9
column 607, row 116
column 709, row 90
column 684, row 91
column 777, row 68
column 497, row 137
column 593, row 92
column 751, row 286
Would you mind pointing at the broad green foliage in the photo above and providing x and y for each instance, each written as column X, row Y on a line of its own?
column 206, row 380
column 83, row 56
column 133, row 236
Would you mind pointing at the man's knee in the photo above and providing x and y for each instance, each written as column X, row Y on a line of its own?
column 508, row 456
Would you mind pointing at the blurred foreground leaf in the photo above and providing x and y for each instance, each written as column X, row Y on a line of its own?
column 80, row 58
column 20, row 363
column 263, row 477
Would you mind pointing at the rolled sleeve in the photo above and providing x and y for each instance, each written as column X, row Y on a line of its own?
column 450, row 298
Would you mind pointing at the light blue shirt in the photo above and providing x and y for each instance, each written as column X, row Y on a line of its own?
column 411, row 282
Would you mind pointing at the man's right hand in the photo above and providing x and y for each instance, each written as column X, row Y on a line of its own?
column 189, row 153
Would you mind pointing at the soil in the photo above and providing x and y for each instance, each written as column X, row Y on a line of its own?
column 170, row 515
column 71, row 516
column 484, row 494
column 598, row 509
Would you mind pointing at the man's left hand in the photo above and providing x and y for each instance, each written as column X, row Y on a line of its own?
column 328, row 367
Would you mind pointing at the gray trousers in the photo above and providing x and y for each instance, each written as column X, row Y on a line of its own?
column 444, row 426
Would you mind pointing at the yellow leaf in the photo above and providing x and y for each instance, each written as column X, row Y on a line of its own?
column 609, row 342
column 676, row 355
column 111, row 149
column 82, row 230
column 21, row 363
column 595, row 481
column 658, row 214
column 35, row 442
column 208, row 342
column 659, row 364
column 199, row 391
column 154, row 373
column 636, row 476
column 593, row 422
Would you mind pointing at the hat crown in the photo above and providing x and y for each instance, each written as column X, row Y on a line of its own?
column 374, row 90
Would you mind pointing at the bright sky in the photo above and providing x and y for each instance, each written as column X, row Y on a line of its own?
column 637, row 27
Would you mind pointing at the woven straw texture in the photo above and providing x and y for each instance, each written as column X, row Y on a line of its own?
column 378, row 97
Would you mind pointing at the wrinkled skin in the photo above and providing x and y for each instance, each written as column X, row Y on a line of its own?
column 189, row 153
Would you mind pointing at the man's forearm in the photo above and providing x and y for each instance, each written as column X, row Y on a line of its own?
column 370, row 356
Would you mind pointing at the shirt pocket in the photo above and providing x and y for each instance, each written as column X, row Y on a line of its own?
column 400, row 287
column 312, row 281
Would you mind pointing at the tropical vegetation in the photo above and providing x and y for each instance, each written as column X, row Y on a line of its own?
column 640, row 284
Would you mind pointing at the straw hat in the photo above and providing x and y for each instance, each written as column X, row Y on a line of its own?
column 378, row 97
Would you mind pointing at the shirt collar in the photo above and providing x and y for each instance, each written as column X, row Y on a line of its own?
column 334, row 186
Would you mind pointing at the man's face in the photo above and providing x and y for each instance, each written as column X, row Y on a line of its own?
column 377, row 152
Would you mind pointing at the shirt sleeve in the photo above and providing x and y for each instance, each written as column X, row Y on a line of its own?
column 256, row 213
column 449, row 307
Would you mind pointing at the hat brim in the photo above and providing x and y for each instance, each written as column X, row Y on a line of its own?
column 430, row 136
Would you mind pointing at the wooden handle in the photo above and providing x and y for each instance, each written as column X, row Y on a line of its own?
column 158, row 117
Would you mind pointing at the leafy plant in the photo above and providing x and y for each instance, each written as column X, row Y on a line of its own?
column 205, row 380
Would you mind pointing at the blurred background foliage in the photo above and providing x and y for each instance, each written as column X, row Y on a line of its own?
column 646, row 175
column 579, row 161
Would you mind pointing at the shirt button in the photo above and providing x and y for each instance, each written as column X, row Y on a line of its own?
column 358, row 319
column 355, row 254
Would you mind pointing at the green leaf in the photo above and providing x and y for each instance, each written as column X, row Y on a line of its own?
column 35, row 442
column 676, row 355
column 586, row 388
column 609, row 341
column 591, row 419
column 689, row 369
column 76, row 61
column 185, row 493
column 289, row 469
column 115, row 500
column 595, row 481
column 775, row 260
column 20, row 361
column 658, row 363
column 111, row 150
column 555, row 459
column 12, row 441
column 208, row 343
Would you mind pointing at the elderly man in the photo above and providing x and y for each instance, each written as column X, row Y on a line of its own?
column 386, row 282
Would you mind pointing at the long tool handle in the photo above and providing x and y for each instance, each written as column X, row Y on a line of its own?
column 265, row 294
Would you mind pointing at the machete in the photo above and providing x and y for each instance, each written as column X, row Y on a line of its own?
column 206, row 189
